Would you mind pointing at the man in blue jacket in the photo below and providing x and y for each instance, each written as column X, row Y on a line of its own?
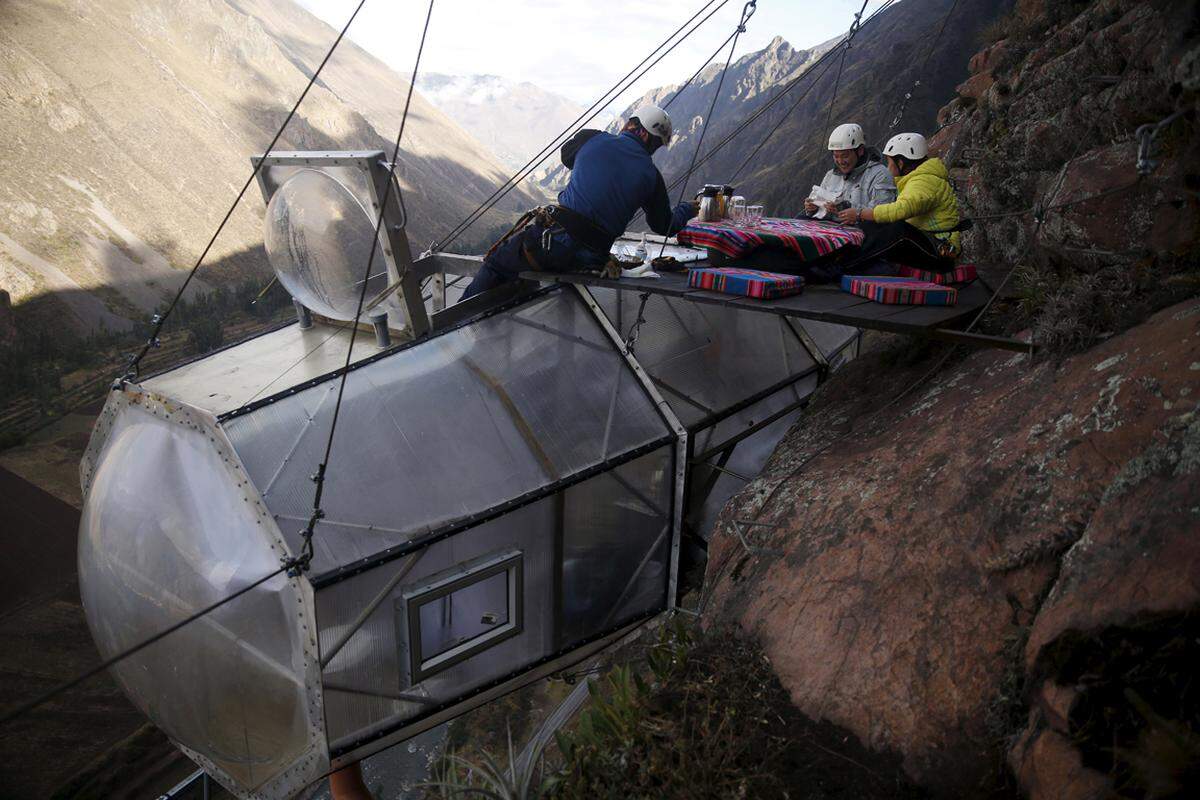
column 611, row 178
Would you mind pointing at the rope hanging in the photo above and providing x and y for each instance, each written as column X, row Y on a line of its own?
column 747, row 12
column 158, row 320
column 302, row 562
column 588, row 114
column 924, row 68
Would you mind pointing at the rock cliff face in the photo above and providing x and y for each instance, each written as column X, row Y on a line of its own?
column 996, row 573
column 1050, row 115
column 969, row 540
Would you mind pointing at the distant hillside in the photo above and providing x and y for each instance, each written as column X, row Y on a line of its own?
column 511, row 119
column 881, row 66
column 129, row 125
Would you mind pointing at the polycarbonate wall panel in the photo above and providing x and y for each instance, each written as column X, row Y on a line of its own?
column 609, row 576
column 367, row 679
column 449, row 428
column 711, row 489
column 828, row 336
column 753, row 414
column 592, row 557
column 705, row 358
column 166, row 531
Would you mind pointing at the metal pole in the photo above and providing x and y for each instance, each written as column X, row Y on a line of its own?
column 303, row 315
column 361, row 619
column 383, row 337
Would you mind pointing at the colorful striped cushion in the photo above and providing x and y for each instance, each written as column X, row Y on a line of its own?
column 745, row 282
column 806, row 238
column 963, row 273
column 900, row 291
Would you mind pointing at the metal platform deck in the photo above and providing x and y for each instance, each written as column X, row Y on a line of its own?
column 824, row 304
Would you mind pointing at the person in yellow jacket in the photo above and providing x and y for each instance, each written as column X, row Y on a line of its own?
column 918, row 229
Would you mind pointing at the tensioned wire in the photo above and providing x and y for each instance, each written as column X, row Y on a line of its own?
column 160, row 319
column 747, row 12
column 588, row 114
column 306, row 553
column 810, row 71
column 296, row 563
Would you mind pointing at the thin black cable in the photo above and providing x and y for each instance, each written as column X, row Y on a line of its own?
column 49, row 695
column 845, row 51
column 586, row 116
column 924, row 68
column 782, row 119
column 515, row 179
column 555, row 143
column 794, row 82
column 306, row 553
column 845, row 44
column 696, row 74
column 747, row 12
column 161, row 319
column 837, row 83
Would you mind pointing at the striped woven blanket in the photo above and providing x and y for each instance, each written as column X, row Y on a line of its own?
column 806, row 238
column 900, row 291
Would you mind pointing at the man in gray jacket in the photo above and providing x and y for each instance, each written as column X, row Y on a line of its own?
column 859, row 178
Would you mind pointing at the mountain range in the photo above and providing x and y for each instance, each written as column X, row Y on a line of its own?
column 512, row 119
column 886, row 57
column 130, row 124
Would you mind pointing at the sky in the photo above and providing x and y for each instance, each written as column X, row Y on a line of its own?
column 574, row 48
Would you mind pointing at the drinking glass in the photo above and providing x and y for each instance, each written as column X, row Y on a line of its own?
column 737, row 210
column 754, row 214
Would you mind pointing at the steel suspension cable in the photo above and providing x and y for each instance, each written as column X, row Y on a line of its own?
column 515, row 179
column 66, row 686
column 792, row 84
column 297, row 564
column 747, row 12
column 779, row 124
column 845, row 51
column 159, row 320
column 317, row 514
column 924, row 68
column 854, row 27
column 696, row 74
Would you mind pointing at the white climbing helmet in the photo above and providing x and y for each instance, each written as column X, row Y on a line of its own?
column 847, row 137
column 656, row 121
column 907, row 145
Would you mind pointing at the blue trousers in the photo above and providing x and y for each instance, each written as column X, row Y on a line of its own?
column 508, row 261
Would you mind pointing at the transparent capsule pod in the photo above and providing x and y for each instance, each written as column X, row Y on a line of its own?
column 505, row 496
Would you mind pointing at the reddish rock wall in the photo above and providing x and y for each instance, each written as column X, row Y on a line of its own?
column 916, row 554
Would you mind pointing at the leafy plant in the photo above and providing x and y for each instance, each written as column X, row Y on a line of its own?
column 458, row 777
